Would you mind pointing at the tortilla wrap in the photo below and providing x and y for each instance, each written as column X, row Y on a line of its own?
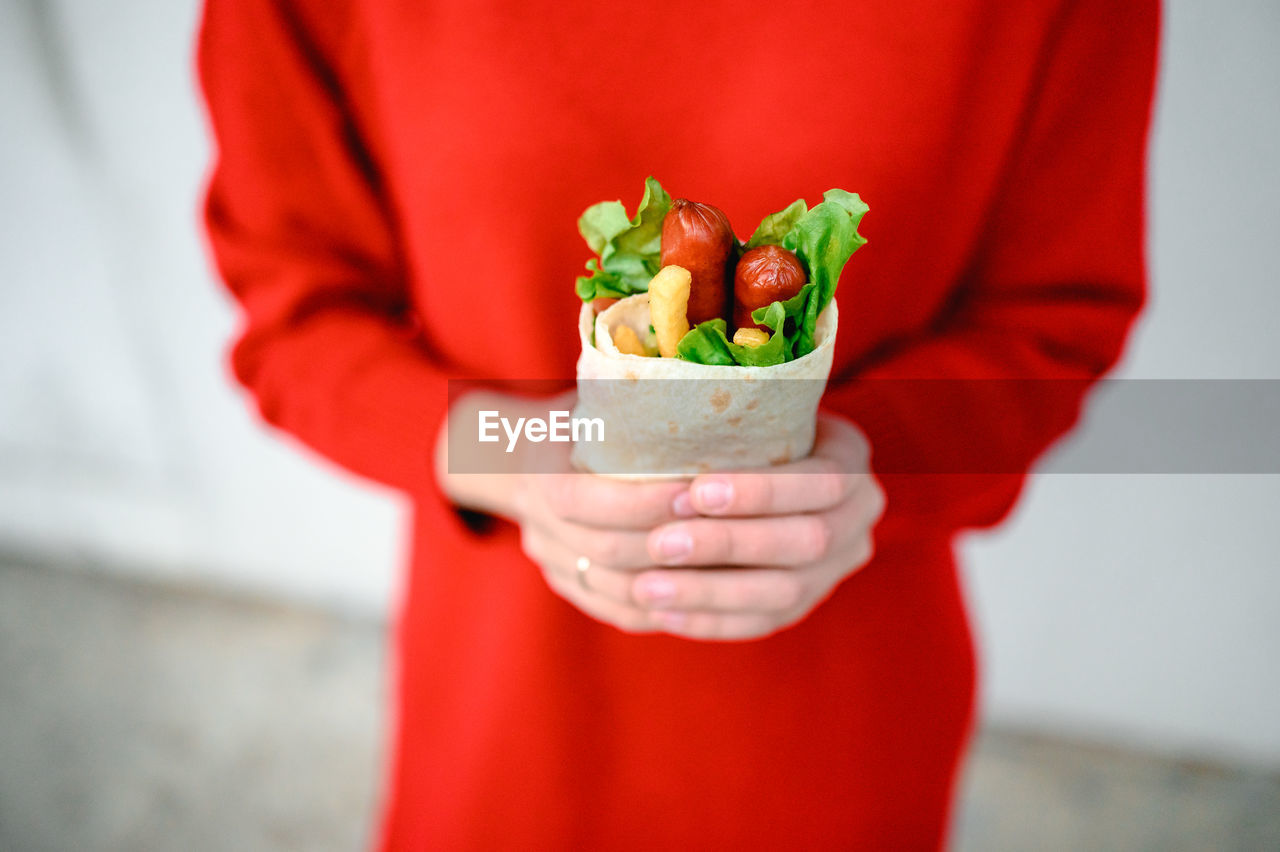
column 672, row 419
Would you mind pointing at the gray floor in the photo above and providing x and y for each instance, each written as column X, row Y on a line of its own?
column 139, row 717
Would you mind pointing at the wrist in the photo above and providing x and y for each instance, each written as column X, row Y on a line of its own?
column 490, row 492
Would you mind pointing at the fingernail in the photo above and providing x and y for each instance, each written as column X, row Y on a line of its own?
column 657, row 591
column 675, row 544
column 714, row 495
column 671, row 620
column 682, row 506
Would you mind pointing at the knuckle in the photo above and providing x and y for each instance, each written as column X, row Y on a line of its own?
column 742, row 545
column 816, row 537
column 719, row 627
column 866, row 549
column 791, row 619
column 860, row 462
column 730, row 593
column 702, row 626
column 603, row 548
column 760, row 590
column 767, row 626
column 859, row 445
column 696, row 591
column 617, row 588
column 746, row 628
column 879, row 501
column 788, row 593
column 831, row 487
column 632, row 622
column 749, row 591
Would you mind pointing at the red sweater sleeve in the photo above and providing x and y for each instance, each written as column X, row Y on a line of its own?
column 304, row 239
column 1050, row 292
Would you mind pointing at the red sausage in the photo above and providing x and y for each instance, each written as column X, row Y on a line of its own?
column 765, row 274
column 699, row 238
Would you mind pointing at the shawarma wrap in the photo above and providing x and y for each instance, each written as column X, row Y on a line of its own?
column 720, row 397
column 671, row 418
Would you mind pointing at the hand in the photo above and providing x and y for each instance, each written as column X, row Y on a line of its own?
column 567, row 517
column 797, row 530
column 800, row 529
column 564, row 515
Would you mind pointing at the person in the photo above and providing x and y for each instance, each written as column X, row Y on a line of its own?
column 746, row 660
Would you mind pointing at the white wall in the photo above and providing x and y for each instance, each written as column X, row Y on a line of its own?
column 1145, row 608
column 120, row 433
column 1133, row 607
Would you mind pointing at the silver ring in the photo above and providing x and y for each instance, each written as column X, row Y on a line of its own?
column 583, row 564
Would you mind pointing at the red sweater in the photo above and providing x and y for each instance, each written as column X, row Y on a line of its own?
column 391, row 173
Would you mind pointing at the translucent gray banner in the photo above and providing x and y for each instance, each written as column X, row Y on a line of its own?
column 669, row 428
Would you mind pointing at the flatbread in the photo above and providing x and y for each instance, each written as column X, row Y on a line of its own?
column 671, row 419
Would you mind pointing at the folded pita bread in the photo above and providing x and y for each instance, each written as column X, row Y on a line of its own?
column 671, row 419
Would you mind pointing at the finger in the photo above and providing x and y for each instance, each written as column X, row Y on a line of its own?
column 812, row 485
column 619, row 549
column 721, row 627
column 562, row 580
column 785, row 541
column 729, row 590
column 728, row 626
column 597, row 578
column 628, row 619
column 837, row 467
column 595, row 501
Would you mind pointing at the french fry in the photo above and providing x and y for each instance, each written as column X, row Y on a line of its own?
column 751, row 337
column 669, row 307
column 627, row 341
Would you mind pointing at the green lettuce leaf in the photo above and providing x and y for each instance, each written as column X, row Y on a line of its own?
column 775, row 226
column 826, row 237
column 628, row 249
column 823, row 238
column 794, row 311
column 708, row 342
